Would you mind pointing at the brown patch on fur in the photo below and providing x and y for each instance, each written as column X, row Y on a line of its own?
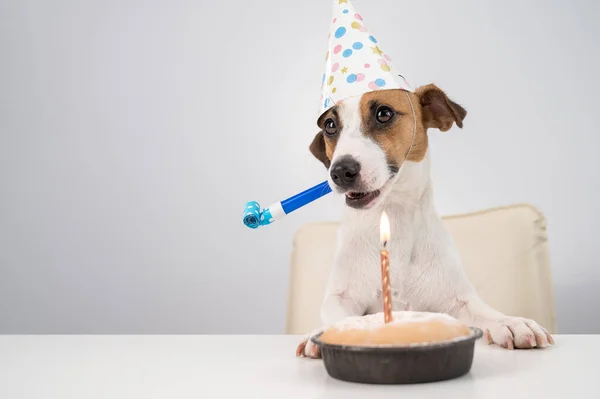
column 318, row 149
column 323, row 146
column 395, row 136
column 438, row 110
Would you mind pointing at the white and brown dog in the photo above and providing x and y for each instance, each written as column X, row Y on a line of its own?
column 375, row 148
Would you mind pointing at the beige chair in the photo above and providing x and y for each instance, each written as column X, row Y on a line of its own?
column 504, row 251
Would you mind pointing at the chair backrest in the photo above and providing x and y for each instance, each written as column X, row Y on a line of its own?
column 504, row 251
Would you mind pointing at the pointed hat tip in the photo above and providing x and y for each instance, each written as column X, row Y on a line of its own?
column 355, row 62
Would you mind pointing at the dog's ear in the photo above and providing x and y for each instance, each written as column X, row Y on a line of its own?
column 438, row 111
column 317, row 148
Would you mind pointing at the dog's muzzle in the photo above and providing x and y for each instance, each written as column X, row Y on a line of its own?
column 345, row 174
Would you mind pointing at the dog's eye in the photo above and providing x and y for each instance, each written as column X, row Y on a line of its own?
column 384, row 114
column 330, row 127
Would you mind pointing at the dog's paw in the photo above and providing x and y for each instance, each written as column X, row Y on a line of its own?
column 518, row 333
column 307, row 348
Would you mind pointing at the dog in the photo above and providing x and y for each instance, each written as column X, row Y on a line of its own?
column 375, row 147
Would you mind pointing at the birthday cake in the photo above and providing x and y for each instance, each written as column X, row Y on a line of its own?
column 405, row 329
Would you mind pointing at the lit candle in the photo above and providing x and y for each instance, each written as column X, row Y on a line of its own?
column 384, row 230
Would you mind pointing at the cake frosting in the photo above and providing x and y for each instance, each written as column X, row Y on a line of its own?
column 407, row 328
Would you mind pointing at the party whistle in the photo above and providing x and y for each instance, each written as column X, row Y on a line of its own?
column 254, row 217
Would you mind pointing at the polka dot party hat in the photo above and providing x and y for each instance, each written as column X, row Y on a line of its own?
column 355, row 61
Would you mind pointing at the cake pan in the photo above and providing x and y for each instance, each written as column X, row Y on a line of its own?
column 399, row 364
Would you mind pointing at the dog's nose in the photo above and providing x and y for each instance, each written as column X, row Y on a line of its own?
column 344, row 172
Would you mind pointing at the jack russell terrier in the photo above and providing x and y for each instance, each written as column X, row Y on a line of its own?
column 375, row 149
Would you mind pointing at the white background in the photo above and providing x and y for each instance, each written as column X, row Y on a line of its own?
column 133, row 132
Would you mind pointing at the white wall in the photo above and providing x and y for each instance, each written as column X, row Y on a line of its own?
column 133, row 132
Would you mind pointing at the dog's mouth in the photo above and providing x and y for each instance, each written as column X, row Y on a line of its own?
column 365, row 199
column 360, row 200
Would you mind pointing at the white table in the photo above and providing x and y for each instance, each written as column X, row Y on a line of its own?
column 135, row 366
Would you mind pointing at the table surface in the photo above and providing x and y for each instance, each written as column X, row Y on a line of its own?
column 265, row 366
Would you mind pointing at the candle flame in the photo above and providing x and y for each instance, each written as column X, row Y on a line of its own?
column 384, row 229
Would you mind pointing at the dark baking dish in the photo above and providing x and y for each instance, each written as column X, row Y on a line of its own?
column 399, row 364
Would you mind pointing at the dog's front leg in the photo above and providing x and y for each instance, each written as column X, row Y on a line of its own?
column 347, row 294
column 506, row 331
column 340, row 304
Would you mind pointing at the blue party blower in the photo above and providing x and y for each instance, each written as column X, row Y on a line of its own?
column 254, row 217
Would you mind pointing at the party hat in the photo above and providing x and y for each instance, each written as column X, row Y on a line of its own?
column 355, row 62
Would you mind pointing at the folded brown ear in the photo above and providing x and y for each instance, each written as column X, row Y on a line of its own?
column 438, row 110
column 317, row 148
